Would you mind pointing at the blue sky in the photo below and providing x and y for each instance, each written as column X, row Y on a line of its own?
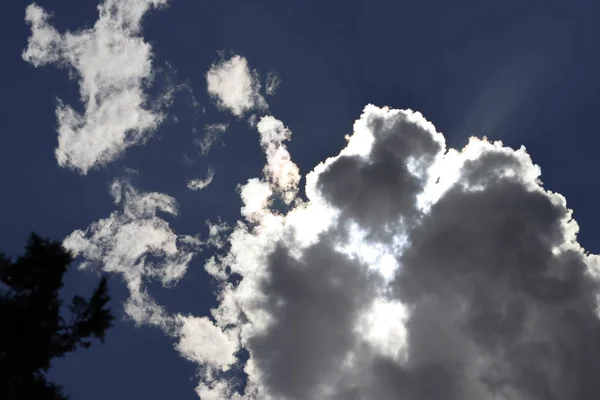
column 524, row 73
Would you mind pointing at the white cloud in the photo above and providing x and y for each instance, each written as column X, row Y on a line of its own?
column 199, row 184
column 280, row 169
column 234, row 86
column 216, row 233
column 139, row 245
column 113, row 66
column 255, row 197
column 202, row 342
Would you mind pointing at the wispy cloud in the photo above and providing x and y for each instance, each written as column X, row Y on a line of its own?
column 234, row 86
column 113, row 65
column 199, row 184
column 139, row 245
column 212, row 132
column 272, row 83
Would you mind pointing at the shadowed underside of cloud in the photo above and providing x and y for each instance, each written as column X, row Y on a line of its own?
column 113, row 65
column 412, row 272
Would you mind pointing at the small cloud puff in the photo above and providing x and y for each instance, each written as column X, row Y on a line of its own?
column 234, row 86
column 199, row 184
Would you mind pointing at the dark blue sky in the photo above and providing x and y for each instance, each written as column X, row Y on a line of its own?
column 524, row 72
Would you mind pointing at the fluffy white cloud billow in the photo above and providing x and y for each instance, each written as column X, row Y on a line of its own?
column 202, row 342
column 234, row 86
column 113, row 66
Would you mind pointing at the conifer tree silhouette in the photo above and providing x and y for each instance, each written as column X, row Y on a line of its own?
column 33, row 326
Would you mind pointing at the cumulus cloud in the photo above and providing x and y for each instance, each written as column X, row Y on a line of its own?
column 202, row 342
column 199, row 184
column 113, row 65
column 272, row 83
column 140, row 246
column 410, row 271
column 234, row 86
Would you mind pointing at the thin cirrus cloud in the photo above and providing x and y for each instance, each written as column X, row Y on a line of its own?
column 280, row 170
column 113, row 66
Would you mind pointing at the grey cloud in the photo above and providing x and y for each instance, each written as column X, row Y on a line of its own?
column 482, row 261
column 501, row 300
column 378, row 190
column 314, row 302
column 140, row 246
